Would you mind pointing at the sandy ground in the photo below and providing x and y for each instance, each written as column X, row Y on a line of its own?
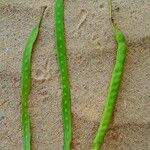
column 91, row 56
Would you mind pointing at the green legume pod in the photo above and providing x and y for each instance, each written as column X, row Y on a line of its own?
column 63, row 67
column 112, row 91
column 26, row 83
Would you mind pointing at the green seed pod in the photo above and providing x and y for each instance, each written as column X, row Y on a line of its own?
column 26, row 83
column 112, row 91
column 63, row 67
column 113, row 87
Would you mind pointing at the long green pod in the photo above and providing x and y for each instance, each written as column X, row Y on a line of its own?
column 63, row 67
column 112, row 90
column 26, row 83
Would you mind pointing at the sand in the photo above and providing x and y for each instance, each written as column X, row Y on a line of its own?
column 91, row 54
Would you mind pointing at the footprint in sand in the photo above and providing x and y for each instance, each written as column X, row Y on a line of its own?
column 83, row 15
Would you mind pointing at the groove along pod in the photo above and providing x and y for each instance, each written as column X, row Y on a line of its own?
column 112, row 91
column 64, row 73
column 26, row 83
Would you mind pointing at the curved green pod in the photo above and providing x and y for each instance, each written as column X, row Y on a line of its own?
column 26, row 83
column 63, row 67
column 112, row 91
